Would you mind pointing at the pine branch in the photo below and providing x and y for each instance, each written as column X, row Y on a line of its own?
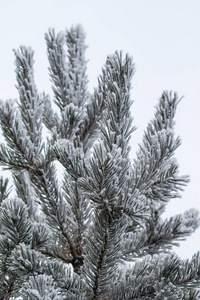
column 53, row 204
column 14, row 221
column 58, row 68
column 68, row 87
column 102, row 252
column 155, row 172
column 77, row 64
column 78, row 214
column 15, row 229
column 19, row 150
column 107, row 172
column 157, row 276
column 109, row 166
column 116, row 84
column 160, row 236
column 29, row 262
column 31, row 106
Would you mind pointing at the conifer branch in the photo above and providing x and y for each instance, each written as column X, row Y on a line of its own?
column 154, row 169
column 31, row 106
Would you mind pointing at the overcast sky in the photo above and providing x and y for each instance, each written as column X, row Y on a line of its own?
column 163, row 36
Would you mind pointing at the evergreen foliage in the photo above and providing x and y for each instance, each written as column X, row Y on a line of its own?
column 70, row 238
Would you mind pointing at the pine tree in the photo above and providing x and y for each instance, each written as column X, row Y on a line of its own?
column 70, row 235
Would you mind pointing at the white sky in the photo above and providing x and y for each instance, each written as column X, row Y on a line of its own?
column 163, row 36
